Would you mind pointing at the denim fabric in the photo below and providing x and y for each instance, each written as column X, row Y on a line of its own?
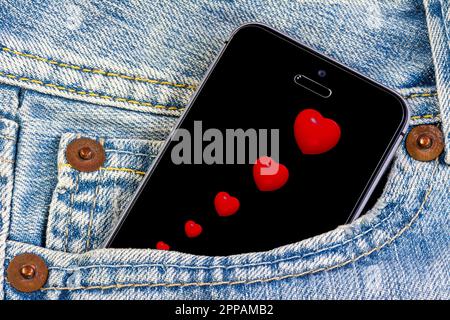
column 100, row 196
column 121, row 73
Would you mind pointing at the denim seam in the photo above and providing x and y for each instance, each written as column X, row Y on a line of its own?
column 98, row 71
column 69, row 216
column 68, row 165
column 88, row 93
column 134, row 78
column 91, row 215
column 5, row 217
column 130, row 153
column 421, row 95
column 426, row 116
column 237, row 266
column 7, row 138
column 83, row 92
column 277, row 278
column 94, row 203
column 3, row 160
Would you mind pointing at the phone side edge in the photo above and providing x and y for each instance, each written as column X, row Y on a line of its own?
column 385, row 160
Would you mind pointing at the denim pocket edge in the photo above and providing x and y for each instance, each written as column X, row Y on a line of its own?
column 8, row 137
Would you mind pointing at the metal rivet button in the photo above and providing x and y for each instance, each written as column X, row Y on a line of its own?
column 27, row 272
column 85, row 154
column 425, row 142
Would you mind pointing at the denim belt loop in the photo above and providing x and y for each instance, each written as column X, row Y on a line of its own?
column 437, row 14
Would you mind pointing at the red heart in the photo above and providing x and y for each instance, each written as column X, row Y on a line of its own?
column 314, row 133
column 192, row 229
column 269, row 175
column 225, row 204
column 161, row 245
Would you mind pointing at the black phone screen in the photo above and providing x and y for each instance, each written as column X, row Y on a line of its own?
column 253, row 86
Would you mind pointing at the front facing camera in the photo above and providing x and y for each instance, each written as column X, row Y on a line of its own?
column 322, row 73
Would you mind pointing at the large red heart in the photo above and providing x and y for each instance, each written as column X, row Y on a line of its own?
column 269, row 175
column 192, row 229
column 314, row 133
column 225, row 204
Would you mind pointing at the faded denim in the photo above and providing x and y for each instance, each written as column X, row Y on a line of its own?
column 121, row 73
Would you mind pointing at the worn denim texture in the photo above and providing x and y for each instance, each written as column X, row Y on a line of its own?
column 121, row 73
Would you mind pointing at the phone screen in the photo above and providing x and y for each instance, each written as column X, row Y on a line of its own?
column 253, row 86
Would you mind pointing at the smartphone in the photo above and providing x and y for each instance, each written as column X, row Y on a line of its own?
column 265, row 83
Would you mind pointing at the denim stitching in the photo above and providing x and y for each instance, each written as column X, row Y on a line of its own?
column 421, row 94
column 88, row 93
column 133, row 101
column 134, row 78
column 68, row 165
column 3, row 160
column 426, row 116
column 237, row 265
column 248, row 282
column 91, row 215
column 7, row 138
column 129, row 152
column 69, row 216
column 97, row 70
column 6, row 199
column 94, row 203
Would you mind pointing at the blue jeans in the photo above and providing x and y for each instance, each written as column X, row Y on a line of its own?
column 122, row 73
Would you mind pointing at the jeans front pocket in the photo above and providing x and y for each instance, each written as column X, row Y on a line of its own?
column 384, row 254
column 87, row 205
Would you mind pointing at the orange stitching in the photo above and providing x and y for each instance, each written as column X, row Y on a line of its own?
column 4, row 160
column 421, row 94
column 426, row 116
column 90, row 94
column 97, row 70
column 248, row 282
column 68, row 165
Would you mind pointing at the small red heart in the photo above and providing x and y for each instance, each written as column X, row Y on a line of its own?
column 269, row 175
column 225, row 204
column 192, row 229
column 314, row 133
column 161, row 245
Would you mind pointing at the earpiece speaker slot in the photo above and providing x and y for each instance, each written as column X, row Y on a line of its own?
column 312, row 86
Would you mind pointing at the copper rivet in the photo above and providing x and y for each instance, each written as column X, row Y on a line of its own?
column 425, row 142
column 85, row 154
column 27, row 272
